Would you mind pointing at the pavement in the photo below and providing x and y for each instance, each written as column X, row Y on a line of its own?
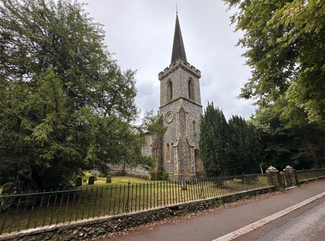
column 234, row 222
column 305, row 223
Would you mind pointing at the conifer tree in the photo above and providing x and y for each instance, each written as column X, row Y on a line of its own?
column 65, row 104
column 244, row 147
column 214, row 142
column 228, row 148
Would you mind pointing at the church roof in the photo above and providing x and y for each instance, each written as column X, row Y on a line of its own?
column 178, row 45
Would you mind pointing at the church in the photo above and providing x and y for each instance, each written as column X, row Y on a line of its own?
column 180, row 111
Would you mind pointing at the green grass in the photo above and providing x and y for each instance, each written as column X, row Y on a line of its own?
column 101, row 181
column 86, row 176
column 116, row 180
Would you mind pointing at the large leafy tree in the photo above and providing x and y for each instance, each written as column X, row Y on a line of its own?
column 288, row 142
column 285, row 41
column 65, row 104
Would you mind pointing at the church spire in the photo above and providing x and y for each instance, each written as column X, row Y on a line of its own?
column 178, row 45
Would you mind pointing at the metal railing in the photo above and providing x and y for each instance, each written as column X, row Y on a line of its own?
column 304, row 175
column 31, row 210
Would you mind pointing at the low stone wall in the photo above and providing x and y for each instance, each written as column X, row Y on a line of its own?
column 89, row 228
column 135, row 171
column 311, row 179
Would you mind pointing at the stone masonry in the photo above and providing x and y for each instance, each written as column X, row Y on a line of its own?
column 180, row 111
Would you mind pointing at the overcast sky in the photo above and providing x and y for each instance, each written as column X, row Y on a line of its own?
column 140, row 34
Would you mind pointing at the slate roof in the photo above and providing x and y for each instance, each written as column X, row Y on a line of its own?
column 178, row 45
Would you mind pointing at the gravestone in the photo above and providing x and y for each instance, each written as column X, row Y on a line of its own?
column 95, row 173
column 91, row 180
column 78, row 181
column 109, row 179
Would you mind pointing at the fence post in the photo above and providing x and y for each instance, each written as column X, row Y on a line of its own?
column 127, row 200
column 274, row 177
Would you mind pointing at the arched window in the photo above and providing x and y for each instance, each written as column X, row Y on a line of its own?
column 172, row 152
column 169, row 90
column 190, row 87
column 167, row 153
column 194, row 127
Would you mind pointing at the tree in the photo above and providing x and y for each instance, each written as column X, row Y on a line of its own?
column 285, row 41
column 214, row 142
column 228, row 148
column 244, row 147
column 153, row 128
column 65, row 104
column 288, row 142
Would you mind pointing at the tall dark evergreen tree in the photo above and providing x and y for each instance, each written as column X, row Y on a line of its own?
column 214, row 142
column 244, row 147
column 65, row 104
column 228, row 148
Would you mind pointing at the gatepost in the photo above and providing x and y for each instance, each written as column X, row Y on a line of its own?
column 291, row 176
column 274, row 177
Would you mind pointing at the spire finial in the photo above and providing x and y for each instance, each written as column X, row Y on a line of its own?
column 176, row 9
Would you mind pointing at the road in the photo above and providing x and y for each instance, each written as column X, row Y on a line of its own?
column 306, row 223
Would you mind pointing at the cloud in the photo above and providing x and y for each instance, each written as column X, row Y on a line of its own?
column 140, row 33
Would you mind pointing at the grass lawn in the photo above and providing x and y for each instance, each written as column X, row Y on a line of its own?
column 120, row 180
column 116, row 180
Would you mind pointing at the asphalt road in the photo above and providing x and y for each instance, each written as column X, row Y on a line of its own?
column 306, row 223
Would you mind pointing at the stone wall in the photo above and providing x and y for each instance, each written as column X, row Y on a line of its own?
column 137, row 171
column 179, row 73
column 90, row 228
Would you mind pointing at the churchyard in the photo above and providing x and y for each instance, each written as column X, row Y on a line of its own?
column 123, row 195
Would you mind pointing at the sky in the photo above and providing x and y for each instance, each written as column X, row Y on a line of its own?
column 140, row 35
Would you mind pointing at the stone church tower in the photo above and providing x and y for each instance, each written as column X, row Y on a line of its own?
column 180, row 111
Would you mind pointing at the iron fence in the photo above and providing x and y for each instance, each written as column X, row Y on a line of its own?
column 31, row 210
column 304, row 175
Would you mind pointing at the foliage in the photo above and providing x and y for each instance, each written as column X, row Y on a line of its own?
column 151, row 124
column 65, row 104
column 159, row 175
column 148, row 163
column 214, row 142
column 228, row 148
column 286, row 142
column 285, row 41
column 245, row 148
